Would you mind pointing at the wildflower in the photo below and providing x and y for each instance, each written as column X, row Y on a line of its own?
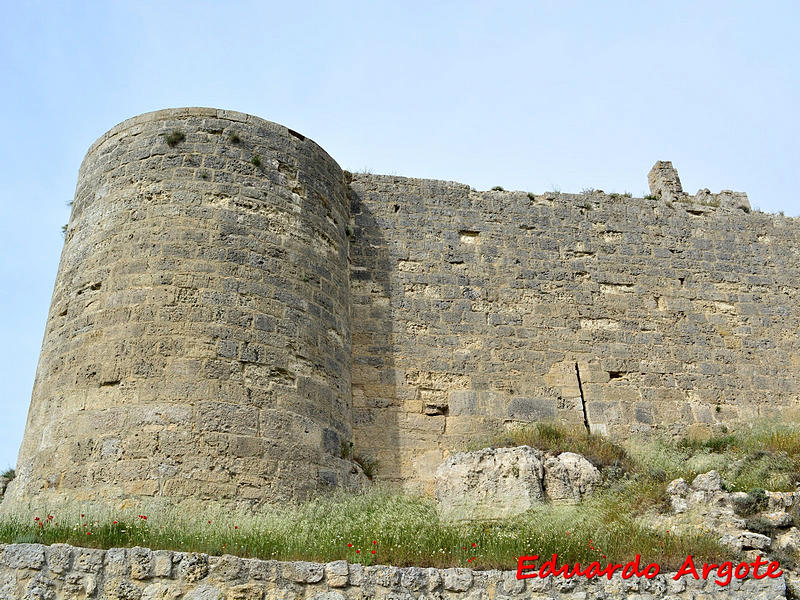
column 374, row 541
column 474, row 545
column 88, row 533
column 373, row 551
column 115, row 522
column 82, row 515
column 349, row 545
column 358, row 551
column 209, row 522
column 236, row 527
column 143, row 517
column 36, row 519
column 49, row 517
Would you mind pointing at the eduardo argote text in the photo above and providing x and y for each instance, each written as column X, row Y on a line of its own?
column 722, row 573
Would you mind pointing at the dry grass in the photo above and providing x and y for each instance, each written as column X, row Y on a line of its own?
column 402, row 530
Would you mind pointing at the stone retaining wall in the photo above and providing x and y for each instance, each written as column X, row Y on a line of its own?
column 60, row 571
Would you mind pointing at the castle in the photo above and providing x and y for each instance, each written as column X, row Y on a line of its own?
column 235, row 317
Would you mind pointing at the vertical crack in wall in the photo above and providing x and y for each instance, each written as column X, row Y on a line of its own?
column 583, row 400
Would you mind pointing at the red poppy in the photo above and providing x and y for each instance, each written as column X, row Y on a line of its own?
column 474, row 545
column 236, row 527
column 358, row 551
column 88, row 533
column 82, row 515
column 349, row 545
column 373, row 551
column 36, row 519
column 374, row 541
column 115, row 522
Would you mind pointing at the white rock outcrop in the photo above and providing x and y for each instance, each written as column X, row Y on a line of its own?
column 495, row 483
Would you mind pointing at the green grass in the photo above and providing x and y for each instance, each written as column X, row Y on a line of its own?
column 173, row 138
column 402, row 530
column 405, row 530
column 8, row 474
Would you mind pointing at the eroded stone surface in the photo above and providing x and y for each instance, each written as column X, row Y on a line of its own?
column 494, row 483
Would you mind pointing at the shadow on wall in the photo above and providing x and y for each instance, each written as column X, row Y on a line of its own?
column 376, row 409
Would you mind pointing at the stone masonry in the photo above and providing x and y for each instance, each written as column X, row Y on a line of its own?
column 234, row 317
column 32, row 571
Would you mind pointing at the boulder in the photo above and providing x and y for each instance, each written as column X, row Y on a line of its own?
column 503, row 482
column 678, row 487
column 489, row 483
column 569, row 477
column 708, row 482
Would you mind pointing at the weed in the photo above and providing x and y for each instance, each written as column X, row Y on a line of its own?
column 498, row 188
column 348, row 231
column 64, row 229
column 175, row 137
column 256, row 161
column 368, row 465
column 651, row 197
column 754, row 502
column 8, row 474
column 204, row 174
column 556, row 439
column 345, row 449
column 531, row 196
column 234, row 138
column 587, row 191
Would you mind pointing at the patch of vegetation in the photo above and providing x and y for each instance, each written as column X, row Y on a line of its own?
column 8, row 474
column 555, row 439
column 256, row 161
column 531, row 196
column 204, row 174
column 234, row 138
column 403, row 530
column 498, row 188
column 368, row 465
column 755, row 501
column 651, row 197
column 760, row 525
column 175, row 137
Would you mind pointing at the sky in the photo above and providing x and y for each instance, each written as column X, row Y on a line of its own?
column 532, row 96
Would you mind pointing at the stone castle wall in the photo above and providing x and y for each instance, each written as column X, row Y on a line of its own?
column 198, row 341
column 234, row 315
column 474, row 309
column 61, row 571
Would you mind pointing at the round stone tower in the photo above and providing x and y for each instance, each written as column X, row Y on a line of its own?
column 198, row 341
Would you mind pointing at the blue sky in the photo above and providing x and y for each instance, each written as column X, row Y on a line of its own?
column 528, row 95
